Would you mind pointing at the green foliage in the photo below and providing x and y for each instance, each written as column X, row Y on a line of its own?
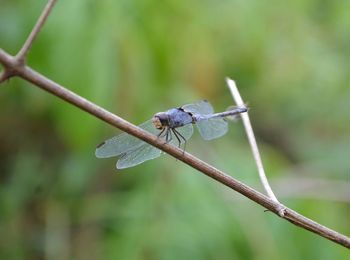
column 291, row 62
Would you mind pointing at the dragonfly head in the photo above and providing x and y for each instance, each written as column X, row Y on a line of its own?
column 160, row 120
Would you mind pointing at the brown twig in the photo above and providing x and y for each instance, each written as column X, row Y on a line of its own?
column 12, row 65
column 21, row 55
column 20, row 58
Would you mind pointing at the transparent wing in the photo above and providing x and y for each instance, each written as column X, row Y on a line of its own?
column 139, row 155
column 208, row 128
column 147, row 152
column 202, row 107
column 123, row 143
column 186, row 131
column 212, row 128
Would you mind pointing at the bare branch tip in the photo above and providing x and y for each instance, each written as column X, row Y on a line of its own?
column 231, row 83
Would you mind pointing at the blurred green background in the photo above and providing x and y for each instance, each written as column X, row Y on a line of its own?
column 290, row 60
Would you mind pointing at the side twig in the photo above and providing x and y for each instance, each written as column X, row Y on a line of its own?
column 251, row 138
column 21, row 55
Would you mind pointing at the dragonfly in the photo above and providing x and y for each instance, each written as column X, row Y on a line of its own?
column 174, row 126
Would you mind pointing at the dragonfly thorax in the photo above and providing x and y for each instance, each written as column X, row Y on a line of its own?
column 173, row 118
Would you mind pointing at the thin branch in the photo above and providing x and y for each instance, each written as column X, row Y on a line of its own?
column 14, row 66
column 21, row 55
column 52, row 87
column 19, row 59
column 251, row 138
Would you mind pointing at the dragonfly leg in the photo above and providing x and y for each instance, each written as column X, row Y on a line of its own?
column 177, row 137
column 161, row 132
column 178, row 134
column 168, row 136
column 164, row 133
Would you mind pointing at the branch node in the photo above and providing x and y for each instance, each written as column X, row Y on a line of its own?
column 281, row 212
column 20, row 61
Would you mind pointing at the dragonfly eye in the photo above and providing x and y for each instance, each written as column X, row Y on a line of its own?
column 157, row 123
column 160, row 120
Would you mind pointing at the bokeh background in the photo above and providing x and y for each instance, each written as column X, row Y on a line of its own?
column 291, row 61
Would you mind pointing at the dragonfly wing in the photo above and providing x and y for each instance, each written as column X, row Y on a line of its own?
column 123, row 143
column 212, row 128
column 147, row 152
column 186, row 131
column 139, row 155
column 202, row 107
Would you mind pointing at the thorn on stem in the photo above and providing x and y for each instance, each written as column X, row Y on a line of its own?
column 6, row 74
